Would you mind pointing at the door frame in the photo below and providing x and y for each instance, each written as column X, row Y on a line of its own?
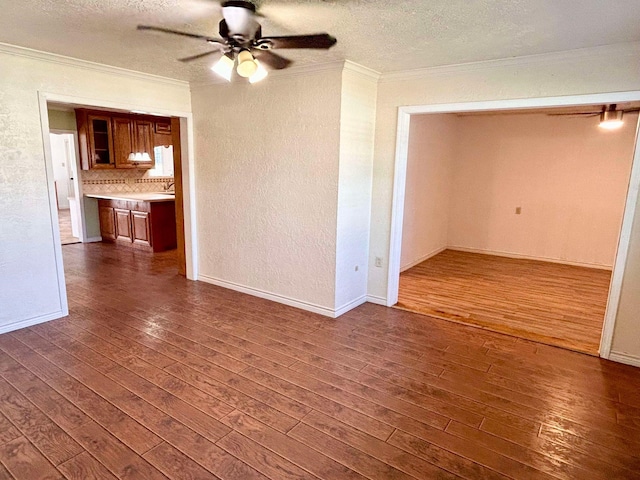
column 188, row 177
column 400, row 175
column 77, row 185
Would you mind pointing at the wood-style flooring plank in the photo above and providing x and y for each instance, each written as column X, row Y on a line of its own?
column 54, row 443
column 263, row 459
column 83, row 467
column 176, row 465
column 118, row 458
column 93, row 405
column 54, row 405
column 546, row 302
column 388, row 453
column 8, row 431
column 281, row 406
column 24, row 461
column 180, row 379
column 306, row 458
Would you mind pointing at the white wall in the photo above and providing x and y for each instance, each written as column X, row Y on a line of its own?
column 606, row 69
column 267, row 185
column 569, row 177
column 357, row 123
column 29, row 290
column 432, row 141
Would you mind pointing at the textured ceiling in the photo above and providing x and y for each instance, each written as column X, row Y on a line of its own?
column 385, row 35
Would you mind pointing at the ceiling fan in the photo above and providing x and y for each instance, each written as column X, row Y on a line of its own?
column 610, row 115
column 242, row 40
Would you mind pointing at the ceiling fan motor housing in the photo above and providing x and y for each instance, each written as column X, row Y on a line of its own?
column 239, row 21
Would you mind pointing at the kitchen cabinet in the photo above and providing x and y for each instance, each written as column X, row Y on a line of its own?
column 106, row 216
column 108, row 140
column 139, row 224
column 123, row 224
column 132, row 135
column 141, row 228
column 96, row 139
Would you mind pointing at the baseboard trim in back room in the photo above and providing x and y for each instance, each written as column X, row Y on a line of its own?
column 632, row 360
column 529, row 257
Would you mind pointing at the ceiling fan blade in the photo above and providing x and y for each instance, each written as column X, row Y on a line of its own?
column 200, row 55
column 272, row 60
column 319, row 40
column 184, row 34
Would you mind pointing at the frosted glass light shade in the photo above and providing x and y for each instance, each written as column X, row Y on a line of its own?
column 260, row 73
column 246, row 64
column 224, row 67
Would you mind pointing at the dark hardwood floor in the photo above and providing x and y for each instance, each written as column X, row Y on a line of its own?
column 153, row 376
column 560, row 305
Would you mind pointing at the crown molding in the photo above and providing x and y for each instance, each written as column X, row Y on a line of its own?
column 618, row 50
column 86, row 65
column 362, row 70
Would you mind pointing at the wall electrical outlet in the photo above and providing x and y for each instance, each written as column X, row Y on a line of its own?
column 378, row 261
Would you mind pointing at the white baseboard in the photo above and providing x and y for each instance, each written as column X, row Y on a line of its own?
column 377, row 300
column 423, row 258
column 32, row 321
column 274, row 297
column 529, row 257
column 625, row 358
column 93, row 239
column 350, row 306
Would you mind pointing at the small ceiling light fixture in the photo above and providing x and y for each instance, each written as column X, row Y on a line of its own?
column 247, row 65
column 224, row 67
column 610, row 118
column 260, row 74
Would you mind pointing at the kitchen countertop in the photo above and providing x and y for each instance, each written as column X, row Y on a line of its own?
column 135, row 197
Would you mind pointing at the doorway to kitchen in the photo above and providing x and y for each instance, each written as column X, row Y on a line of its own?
column 122, row 188
column 57, row 112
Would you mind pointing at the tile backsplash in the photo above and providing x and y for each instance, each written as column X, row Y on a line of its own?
column 133, row 180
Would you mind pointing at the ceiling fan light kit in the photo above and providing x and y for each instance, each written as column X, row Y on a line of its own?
column 246, row 64
column 610, row 116
column 261, row 73
column 611, row 119
column 241, row 36
column 224, row 67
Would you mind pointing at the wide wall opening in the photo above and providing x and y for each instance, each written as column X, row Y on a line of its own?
column 512, row 219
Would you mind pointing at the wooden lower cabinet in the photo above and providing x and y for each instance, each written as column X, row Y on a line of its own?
column 141, row 228
column 143, row 225
column 123, row 225
column 107, row 222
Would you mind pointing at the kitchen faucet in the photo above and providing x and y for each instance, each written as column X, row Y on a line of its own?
column 168, row 185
